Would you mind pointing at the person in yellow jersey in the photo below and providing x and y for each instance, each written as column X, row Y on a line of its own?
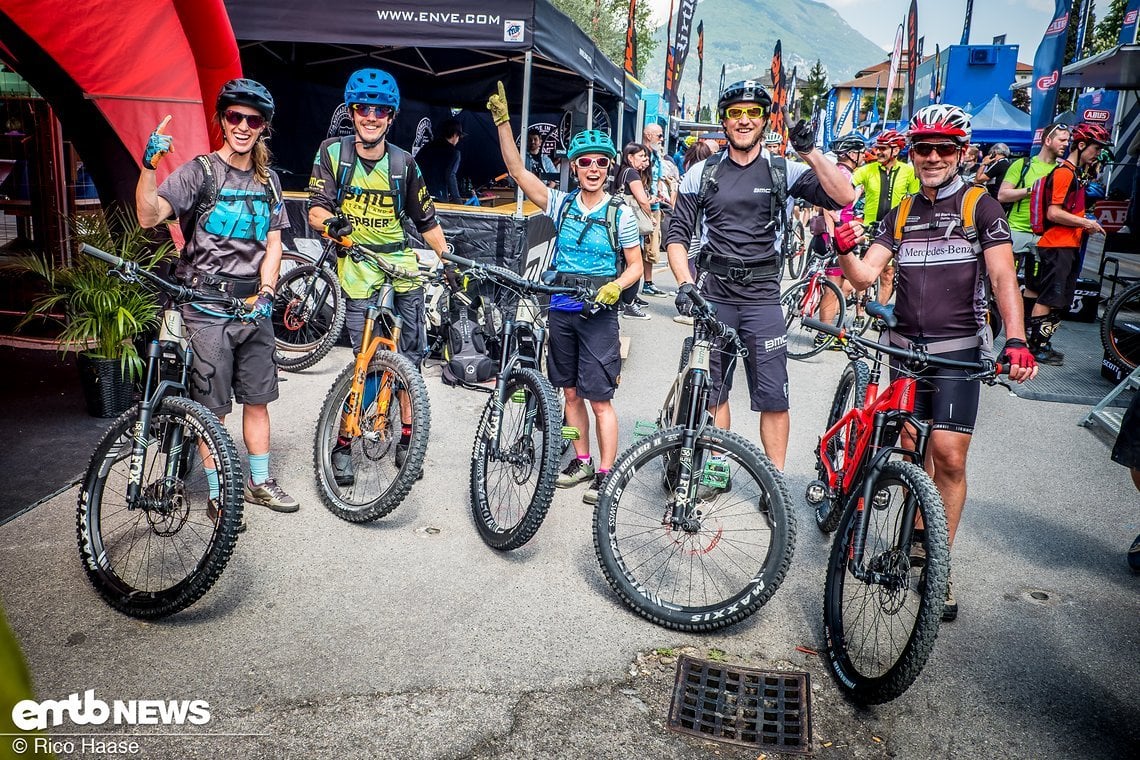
column 884, row 182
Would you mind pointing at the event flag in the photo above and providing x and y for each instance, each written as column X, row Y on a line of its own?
column 936, row 77
column 791, row 99
column 1131, row 22
column 720, row 87
column 776, row 121
column 1047, row 70
column 912, row 60
column 681, row 43
column 873, row 115
column 893, row 75
column 631, row 42
column 1079, row 44
column 966, row 26
column 667, row 91
column 829, row 117
column 700, row 64
column 856, row 96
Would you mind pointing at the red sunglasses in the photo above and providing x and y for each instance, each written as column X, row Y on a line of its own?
column 585, row 162
column 363, row 109
column 234, row 118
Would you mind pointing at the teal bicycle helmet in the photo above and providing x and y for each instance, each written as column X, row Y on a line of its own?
column 591, row 141
column 372, row 86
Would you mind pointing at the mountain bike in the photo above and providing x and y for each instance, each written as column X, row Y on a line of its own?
column 806, row 298
column 795, row 246
column 151, row 538
column 308, row 309
column 367, row 405
column 692, row 526
column 883, row 596
column 518, row 443
column 1120, row 328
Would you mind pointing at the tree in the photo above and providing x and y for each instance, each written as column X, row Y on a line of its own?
column 605, row 21
column 814, row 90
column 1020, row 99
column 1108, row 30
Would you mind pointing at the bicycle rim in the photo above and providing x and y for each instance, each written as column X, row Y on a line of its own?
column 1120, row 328
column 512, row 484
column 308, row 316
column 879, row 635
column 165, row 553
column 719, row 571
column 796, row 305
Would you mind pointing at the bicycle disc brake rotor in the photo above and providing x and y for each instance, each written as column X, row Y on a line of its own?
column 165, row 505
column 295, row 317
column 892, row 592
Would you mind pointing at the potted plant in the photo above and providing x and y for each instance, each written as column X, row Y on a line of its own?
column 102, row 314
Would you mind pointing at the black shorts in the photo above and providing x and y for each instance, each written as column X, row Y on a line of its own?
column 944, row 398
column 584, row 354
column 1126, row 451
column 233, row 360
column 413, row 331
column 1055, row 278
column 761, row 328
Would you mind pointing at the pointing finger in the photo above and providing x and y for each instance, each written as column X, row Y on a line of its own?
column 161, row 128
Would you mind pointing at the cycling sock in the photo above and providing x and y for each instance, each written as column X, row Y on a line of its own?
column 213, row 483
column 258, row 468
column 585, row 458
column 342, row 442
column 405, row 434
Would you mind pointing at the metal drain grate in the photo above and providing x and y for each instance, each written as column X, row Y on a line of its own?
column 745, row 706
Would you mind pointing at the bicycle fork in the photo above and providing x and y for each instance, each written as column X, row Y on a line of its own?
column 683, row 516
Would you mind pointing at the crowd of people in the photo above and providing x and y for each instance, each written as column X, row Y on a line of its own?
column 719, row 216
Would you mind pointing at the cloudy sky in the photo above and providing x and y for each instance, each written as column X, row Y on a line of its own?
column 1023, row 22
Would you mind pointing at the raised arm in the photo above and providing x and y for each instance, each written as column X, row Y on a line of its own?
column 152, row 209
column 533, row 188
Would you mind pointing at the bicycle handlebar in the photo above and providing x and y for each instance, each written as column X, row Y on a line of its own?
column 180, row 293
column 705, row 312
column 980, row 370
column 483, row 270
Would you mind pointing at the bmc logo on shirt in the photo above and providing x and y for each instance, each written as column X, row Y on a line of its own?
column 759, row 190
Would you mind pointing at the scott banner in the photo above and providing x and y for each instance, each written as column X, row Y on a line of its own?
column 1047, row 70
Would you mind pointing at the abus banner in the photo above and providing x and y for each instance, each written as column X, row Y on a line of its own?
column 1047, row 70
column 1099, row 107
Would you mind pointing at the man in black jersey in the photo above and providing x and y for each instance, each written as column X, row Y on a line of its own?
column 940, row 297
column 739, row 266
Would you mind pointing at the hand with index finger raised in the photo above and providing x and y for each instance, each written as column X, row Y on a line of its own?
column 158, row 145
column 497, row 105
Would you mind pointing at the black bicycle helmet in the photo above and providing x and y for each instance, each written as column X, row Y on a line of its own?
column 748, row 91
column 246, row 92
column 852, row 141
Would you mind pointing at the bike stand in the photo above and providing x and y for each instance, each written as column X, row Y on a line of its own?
column 1111, row 418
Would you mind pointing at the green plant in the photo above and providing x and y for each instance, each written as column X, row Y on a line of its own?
column 102, row 314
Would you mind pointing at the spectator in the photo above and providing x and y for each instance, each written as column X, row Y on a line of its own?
column 993, row 168
column 537, row 162
column 439, row 162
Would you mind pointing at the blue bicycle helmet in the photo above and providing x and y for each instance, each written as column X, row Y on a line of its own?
column 245, row 92
column 372, row 86
column 591, row 141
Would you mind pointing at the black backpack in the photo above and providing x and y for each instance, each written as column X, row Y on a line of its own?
column 465, row 352
column 777, row 167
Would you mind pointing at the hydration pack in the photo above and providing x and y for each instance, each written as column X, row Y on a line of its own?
column 1041, row 196
column 465, row 351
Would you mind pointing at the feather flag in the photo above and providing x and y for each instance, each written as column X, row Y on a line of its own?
column 893, row 75
column 1047, row 69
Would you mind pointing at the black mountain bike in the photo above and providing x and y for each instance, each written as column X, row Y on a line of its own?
column 151, row 538
column 518, row 443
column 1120, row 328
column 308, row 309
column 692, row 526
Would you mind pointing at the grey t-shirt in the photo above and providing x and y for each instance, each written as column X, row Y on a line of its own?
column 230, row 239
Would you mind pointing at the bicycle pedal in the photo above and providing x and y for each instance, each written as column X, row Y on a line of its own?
column 519, row 396
column 715, row 474
column 571, row 433
column 643, row 428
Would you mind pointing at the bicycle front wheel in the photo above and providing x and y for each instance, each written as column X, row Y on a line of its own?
column 1120, row 328
column 729, row 558
column 879, row 633
column 374, row 473
column 513, row 474
column 797, row 249
column 160, row 554
column 308, row 316
column 851, row 393
column 805, row 299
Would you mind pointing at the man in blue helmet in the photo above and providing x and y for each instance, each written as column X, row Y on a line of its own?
column 735, row 201
column 361, row 189
column 594, row 236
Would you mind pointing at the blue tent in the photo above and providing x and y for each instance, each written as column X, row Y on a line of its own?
column 999, row 121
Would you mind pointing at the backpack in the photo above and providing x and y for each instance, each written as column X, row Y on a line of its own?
column 465, row 352
column 1040, row 198
column 208, row 193
column 610, row 223
column 1025, row 162
column 777, row 166
column 397, row 183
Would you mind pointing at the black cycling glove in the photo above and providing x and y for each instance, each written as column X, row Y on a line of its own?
column 801, row 137
column 337, row 227
column 683, row 303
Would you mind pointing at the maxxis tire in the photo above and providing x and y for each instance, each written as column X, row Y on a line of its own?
column 548, row 420
column 1112, row 336
column 287, row 357
column 851, row 392
column 762, row 584
column 220, row 537
column 386, row 364
column 920, row 643
column 790, row 301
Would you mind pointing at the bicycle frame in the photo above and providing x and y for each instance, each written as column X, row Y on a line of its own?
column 372, row 343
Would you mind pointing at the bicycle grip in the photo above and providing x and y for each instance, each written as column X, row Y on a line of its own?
column 110, row 258
column 455, row 258
column 815, row 324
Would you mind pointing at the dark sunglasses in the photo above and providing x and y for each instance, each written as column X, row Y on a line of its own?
column 585, row 162
column 924, row 149
column 233, row 118
column 752, row 112
column 362, row 109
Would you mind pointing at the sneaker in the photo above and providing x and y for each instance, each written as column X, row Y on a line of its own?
column 950, row 611
column 640, row 301
column 343, row 472
column 633, row 311
column 917, row 550
column 576, row 472
column 212, row 513
column 591, row 495
column 269, row 494
column 684, row 319
column 402, row 456
column 1046, row 355
column 649, row 289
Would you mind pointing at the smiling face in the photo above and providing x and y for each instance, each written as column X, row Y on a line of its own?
column 591, row 178
column 935, row 169
column 744, row 132
column 241, row 137
column 371, row 123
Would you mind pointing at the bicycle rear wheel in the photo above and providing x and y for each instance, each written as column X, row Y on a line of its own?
column 858, row 320
column 160, row 555
column 796, row 240
column 803, row 342
column 1120, row 328
column 726, row 564
column 879, row 635
column 849, row 394
column 381, row 475
column 512, row 484
column 308, row 316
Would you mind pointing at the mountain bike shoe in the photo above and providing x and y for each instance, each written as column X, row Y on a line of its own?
column 269, row 494
column 343, row 471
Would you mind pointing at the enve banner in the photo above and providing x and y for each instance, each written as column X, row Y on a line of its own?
column 681, row 43
column 1047, row 65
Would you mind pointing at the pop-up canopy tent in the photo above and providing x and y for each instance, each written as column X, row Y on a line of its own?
column 999, row 121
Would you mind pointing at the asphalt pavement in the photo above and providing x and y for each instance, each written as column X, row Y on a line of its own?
column 409, row 638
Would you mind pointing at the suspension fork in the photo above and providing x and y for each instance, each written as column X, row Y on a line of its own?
column 371, row 343
column 697, row 385
column 499, row 395
column 142, row 425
